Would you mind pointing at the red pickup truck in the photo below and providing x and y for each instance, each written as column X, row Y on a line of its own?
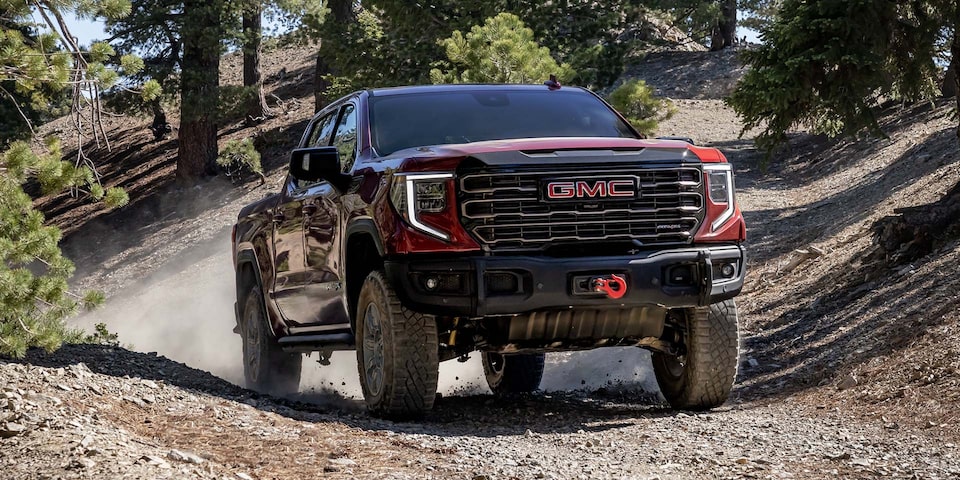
column 421, row 224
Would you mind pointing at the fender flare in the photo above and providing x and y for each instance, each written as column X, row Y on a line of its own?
column 249, row 256
column 364, row 225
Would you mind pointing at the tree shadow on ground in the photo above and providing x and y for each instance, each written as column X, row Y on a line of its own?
column 825, row 217
column 853, row 314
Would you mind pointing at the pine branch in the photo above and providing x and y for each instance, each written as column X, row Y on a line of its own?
column 19, row 110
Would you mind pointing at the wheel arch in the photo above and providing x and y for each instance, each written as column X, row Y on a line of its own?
column 364, row 253
column 248, row 276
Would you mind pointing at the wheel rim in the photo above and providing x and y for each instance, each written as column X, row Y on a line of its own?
column 674, row 365
column 253, row 344
column 373, row 349
column 495, row 364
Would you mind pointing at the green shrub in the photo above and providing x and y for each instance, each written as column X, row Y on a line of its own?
column 238, row 157
column 636, row 101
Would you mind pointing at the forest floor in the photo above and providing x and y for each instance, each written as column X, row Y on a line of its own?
column 849, row 365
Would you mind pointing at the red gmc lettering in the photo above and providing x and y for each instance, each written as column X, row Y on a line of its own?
column 599, row 189
column 561, row 190
column 620, row 188
column 586, row 189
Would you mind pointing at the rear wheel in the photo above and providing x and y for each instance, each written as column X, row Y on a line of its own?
column 266, row 367
column 703, row 375
column 397, row 353
column 517, row 373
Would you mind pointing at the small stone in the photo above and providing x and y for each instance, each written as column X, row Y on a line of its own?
column 342, row 461
column 481, row 476
column 84, row 462
column 847, row 382
column 743, row 461
column 11, row 429
column 184, row 457
column 149, row 384
column 64, row 387
column 153, row 460
column 243, row 476
column 837, row 456
column 753, row 362
column 95, row 388
column 149, row 399
column 861, row 462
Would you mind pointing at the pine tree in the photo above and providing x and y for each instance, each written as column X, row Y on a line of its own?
column 501, row 51
column 829, row 65
column 201, row 34
column 34, row 298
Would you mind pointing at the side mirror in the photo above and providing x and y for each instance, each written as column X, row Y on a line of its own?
column 315, row 163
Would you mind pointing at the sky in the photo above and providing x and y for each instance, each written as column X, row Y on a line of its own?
column 86, row 30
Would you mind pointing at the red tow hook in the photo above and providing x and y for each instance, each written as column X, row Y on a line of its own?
column 614, row 286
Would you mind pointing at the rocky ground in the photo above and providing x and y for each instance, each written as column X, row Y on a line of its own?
column 849, row 366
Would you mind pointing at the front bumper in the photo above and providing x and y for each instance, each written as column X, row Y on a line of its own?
column 675, row 278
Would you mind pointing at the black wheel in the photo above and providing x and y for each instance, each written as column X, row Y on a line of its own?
column 703, row 375
column 266, row 367
column 517, row 373
column 397, row 353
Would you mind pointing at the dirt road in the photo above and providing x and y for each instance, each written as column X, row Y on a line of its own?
column 99, row 412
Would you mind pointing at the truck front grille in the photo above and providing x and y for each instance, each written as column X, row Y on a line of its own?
column 506, row 208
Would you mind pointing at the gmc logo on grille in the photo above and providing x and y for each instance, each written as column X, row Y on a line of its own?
column 573, row 189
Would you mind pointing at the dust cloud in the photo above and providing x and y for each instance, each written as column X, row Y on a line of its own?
column 184, row 311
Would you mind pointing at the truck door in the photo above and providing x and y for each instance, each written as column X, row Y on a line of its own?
column 294, row 210
column 323, row 235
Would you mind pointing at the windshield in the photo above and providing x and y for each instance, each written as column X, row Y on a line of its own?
column 441, row 118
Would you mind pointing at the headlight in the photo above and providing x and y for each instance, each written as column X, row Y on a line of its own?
column 415, row 193
column 720, row 189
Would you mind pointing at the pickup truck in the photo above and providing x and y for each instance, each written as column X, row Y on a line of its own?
column 420, row 224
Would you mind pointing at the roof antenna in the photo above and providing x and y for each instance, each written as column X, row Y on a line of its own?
column 552, row 84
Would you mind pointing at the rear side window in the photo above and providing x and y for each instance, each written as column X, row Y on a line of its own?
column 345, row 139
column 320, row 136
column 402, row 121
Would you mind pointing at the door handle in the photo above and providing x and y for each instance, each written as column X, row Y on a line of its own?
column 308, row 209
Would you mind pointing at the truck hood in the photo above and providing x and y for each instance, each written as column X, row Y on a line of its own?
column 554, row 150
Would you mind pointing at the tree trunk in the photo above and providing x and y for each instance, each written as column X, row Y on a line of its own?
column 199, row 90
column 725, row 32
column 160, row 127
column 955, row 58
column 252, row 39
column 342, row 15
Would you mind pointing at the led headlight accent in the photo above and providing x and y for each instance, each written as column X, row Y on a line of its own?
column 720, row 185
column 412, row 193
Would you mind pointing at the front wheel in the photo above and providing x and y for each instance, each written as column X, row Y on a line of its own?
column 517, row 373
column 703, row 375
column 397, row 353
column 266, row 367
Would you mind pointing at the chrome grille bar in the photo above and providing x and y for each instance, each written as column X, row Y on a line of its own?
column 505, row 208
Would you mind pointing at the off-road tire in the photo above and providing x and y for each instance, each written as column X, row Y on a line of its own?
column 266, row 367
column 703, row 377
column 516, row 373
column 408, row 353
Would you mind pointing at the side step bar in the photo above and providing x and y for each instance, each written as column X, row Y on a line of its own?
column 312, row 343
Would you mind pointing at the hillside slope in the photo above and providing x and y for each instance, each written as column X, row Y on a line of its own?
column 849, row 368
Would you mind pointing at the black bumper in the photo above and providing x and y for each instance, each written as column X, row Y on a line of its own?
column 676, row 278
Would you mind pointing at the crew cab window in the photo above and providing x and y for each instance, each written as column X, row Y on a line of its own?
column 410, row 120
column 345, row 138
